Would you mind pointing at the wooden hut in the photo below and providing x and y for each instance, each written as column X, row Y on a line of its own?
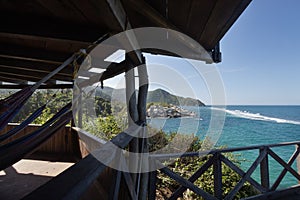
column 38, row 36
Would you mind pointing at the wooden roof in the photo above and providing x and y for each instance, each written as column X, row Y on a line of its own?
column 36, row 36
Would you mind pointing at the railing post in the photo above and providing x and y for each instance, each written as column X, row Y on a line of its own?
column 152, row 185
column 217, row 167
column 298, row 161
column 264, row 169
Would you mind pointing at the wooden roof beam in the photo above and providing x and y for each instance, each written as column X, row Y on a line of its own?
column 237, row 7
column 17, row 58
column 30, row 76
column 35, row 66
column 48, row 27
column 48, row 86
column 155, row 17
column 14, row 80
column 33, row 53
column 49, row 43
column 123, row 20
column 148, row 11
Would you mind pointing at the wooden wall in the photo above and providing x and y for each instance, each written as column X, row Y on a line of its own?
column 63, row 144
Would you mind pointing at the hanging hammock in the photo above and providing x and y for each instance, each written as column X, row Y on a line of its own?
column 23, row 125
column 10, row 106
column 14, row 151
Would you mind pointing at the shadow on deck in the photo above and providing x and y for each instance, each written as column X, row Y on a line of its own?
column 27, row 175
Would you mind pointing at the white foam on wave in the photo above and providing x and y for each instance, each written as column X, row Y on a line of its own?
column 256, row 116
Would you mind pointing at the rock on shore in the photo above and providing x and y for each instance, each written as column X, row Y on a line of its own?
column 171, row 111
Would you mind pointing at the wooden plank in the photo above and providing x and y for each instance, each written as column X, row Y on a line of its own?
column 33, row 53
column 87, row 170
column 13, row 80
column 186, row 183
column 117, row 185
column 217, row 170
column 154, row 16
column 26, row 59
column 141, row 107
column 34, row 65
column 298, row 161
column 121, row 16
column 130, row 184
column 222, row 17
column 63, row 10
column 264, row 172
column 225, row 150
column 193, row 178
column 67, row 186
column 29, row 23
column 33, row 74
column 240, row 184
column 152, row 185
column 146, row 10
column 19, row 77
column 128, row 179
column 48, row 86
column 291, row 193
column 50, row 43
column 132, row 114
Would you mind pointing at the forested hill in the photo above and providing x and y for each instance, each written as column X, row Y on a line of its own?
column 162, row 96
column 156, row 96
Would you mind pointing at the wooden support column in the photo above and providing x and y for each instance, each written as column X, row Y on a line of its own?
column 217, row 166
column 298, row 161
column 143, row 142
column 79, row 107
column 264, row 170
column 137, row 58
column 132, row 117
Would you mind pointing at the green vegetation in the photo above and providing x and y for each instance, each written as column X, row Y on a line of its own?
column 185, row 167
column 156, row 96
column 107, row 126
column 163, row 96
column 56, row 99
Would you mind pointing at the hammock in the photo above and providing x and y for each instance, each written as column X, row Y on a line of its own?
column 5, row 103
column 25, row 123
column 14, row 151
column 10, row 106
column 13, row 109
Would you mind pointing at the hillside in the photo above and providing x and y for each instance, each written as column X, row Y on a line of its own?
column 162, row 96
column 156, row 96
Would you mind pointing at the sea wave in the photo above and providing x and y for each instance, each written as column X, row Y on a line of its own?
column 256, row 116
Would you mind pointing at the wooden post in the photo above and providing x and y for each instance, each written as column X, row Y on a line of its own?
column 298, row 161
column 143, row 142
column 132, row 117
column 152, row 185
column 79, row 107
column 217, row 176
column 264, row 170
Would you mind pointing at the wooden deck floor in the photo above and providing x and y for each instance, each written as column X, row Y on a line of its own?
column 27, row 175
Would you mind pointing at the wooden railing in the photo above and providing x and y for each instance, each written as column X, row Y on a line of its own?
column 217, row 159
column 76, row 182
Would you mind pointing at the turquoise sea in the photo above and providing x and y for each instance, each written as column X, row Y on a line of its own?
column 246, row 126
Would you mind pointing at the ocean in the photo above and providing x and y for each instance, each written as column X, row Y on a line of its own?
column 246, row 126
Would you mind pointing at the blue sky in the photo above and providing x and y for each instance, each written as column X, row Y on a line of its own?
column 261, row 59
column 261, row 55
